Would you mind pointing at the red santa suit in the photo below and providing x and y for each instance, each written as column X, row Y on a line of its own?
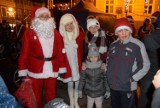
column 42, row 60
column 73, row 48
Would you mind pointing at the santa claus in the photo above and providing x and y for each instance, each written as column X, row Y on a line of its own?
column 73, row 48
column 41, row 56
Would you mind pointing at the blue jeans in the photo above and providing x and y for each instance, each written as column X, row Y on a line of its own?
column 122, row 99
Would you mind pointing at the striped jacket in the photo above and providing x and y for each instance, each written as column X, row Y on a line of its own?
column 127, row 63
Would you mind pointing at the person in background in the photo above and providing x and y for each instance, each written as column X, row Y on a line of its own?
column 6, row 99
column 131, row 20
column 156, row 95
column 41, row 57
column 18, row 33
column 152, row 44
column 73, row 38
column 93, row 80
column 127, row 62
column 154, row 18
column 96, row 35
column 5, row 35
column 145, row 29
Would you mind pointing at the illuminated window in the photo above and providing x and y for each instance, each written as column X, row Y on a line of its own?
column 148, row 6
column 109, row 6
column 129, row 5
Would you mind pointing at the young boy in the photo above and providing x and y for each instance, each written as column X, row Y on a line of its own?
column 127, row 63
column 93, row 79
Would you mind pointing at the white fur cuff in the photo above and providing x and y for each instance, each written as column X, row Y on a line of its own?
column 22, row 73
column 62, row 70
column 102, row 50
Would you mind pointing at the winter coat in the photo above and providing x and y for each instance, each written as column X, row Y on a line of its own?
column 94, row 82
column 152, row 44
column 127, row 63
column 155, row 100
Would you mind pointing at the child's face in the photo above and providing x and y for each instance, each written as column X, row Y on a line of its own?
column 123, row 34
column 69, row 27
column 93, row 29
column 93, row 59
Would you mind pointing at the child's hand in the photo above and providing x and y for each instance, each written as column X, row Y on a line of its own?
column 103, row 66
column 107, row 95
column 83, row 66
column 156, row 80
column 80, row 94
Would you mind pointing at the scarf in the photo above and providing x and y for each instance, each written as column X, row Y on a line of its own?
column 93, row 65
column 103, row 45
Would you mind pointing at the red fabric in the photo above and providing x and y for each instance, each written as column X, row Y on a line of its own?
column 49, row 89
column 79, row 42
column 33, row 11
column 133, row 30
column 26, row 95
column 155, row 14
column 122, row 22
column 31, row 47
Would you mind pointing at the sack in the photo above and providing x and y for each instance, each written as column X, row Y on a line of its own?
column 56, row 103
column 6, row 99
column 25, row 94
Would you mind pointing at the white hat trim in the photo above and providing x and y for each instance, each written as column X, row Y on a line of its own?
column 123, row 27
column 92, row 22
column 154, row 17
column 41, row 11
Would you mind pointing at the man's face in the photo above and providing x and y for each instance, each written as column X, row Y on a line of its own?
column 123, row 34
column 93, row 29
column 44, row 16
column 69, row 27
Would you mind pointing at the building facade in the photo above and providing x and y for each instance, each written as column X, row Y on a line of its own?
column 12, row 10
column 138, row 9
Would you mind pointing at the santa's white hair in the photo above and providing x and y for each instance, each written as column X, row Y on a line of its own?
column 43, row 28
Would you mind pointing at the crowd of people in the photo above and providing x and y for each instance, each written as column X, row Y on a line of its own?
column 88, row 61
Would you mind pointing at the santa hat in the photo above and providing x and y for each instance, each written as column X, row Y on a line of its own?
column 67, row 18
column 92, row 22
column 122, row 23
column 130, row 19
column 155, row 15
column 93, row 50
column 36, row 11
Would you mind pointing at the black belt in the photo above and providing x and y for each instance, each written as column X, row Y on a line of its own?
column 44, row 59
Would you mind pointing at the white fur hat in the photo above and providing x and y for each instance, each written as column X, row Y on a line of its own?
column 42, row 10
column 92, row 22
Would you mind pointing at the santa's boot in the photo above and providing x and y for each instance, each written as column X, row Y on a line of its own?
column 71, row 98
column 76, row 99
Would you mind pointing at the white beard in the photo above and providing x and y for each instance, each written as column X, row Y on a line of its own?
column 43, row 28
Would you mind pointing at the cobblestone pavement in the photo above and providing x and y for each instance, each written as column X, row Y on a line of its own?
column 62, row 93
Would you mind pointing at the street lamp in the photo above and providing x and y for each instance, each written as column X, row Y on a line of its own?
column 11, row 12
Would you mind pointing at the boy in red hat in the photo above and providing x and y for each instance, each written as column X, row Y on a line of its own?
column 41, row 55
column 127, row 63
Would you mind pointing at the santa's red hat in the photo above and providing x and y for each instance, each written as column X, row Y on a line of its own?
column 36, row 11
column 155, row 15
column 122, row 23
